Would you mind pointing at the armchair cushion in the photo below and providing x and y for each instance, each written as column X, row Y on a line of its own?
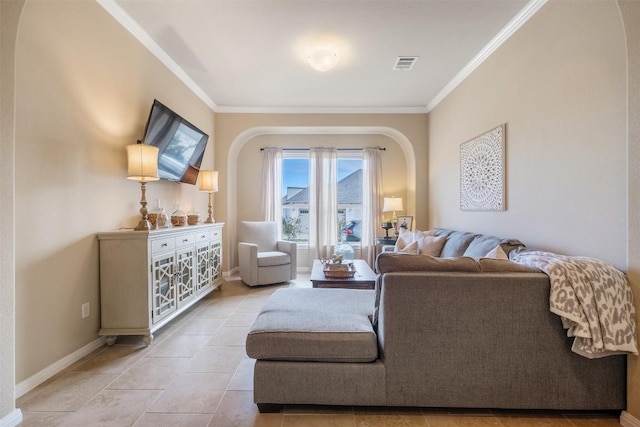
column 267, row 259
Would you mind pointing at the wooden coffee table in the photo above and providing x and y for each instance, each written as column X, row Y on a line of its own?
column 364, row 278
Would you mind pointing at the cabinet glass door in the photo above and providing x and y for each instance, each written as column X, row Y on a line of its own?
column 216, row 265
column 163, row 286
column 202, row 267
column 185, row 283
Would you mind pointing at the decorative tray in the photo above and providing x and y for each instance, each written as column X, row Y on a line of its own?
column 339, row 271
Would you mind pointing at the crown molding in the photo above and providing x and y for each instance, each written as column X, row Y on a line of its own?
column 321, row 110
column 143, row 37
column 512, row 26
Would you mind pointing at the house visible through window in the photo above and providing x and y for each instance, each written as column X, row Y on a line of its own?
column 295, row 199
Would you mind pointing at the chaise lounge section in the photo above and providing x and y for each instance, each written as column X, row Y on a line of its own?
column 437, row 332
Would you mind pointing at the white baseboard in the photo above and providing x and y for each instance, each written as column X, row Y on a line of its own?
column 236, row 270
column 12, row 420
column 35, row 380
column 628, row 420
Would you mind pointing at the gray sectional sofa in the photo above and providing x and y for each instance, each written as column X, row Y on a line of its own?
column 458, row 331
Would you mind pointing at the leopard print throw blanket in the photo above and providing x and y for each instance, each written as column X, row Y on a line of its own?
column 593, row 299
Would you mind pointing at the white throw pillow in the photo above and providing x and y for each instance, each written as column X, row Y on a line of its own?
column 497, row 253
column 430, row 245
column 411, row 248
column 405, row 237
column 417, row 234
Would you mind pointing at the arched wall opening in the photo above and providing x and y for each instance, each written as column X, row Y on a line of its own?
column 308, row 136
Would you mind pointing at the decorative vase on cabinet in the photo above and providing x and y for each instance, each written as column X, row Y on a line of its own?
column 147, row 279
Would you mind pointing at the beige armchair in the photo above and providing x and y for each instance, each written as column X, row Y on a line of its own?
column 263, row 259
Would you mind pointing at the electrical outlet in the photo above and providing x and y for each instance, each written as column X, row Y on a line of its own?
column 85, row 310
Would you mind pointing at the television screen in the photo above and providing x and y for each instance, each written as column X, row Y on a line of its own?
column 180, row 144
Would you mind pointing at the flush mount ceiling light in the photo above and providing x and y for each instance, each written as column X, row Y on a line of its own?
column 323, row 59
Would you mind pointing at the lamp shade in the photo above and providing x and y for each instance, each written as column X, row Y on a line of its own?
column 142, row 161
column 392, row 204
column 323, row 59
column 209, row 181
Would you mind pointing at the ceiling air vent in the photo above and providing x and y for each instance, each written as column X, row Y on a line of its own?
column 404, row 63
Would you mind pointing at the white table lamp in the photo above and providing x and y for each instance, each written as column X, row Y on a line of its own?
column 209, row 184
column 142, row 161
column 392, row 204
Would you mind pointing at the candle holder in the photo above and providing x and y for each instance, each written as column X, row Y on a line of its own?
column 386, row 226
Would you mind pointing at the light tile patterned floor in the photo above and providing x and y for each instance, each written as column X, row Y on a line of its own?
column 196, row 373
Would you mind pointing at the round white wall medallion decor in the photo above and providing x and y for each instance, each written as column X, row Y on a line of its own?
column 482, row 172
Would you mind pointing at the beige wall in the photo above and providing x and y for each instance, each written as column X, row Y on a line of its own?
column 83, row 92
column 630, row 10
column 238, row 157
column 559, row 84
column 9, row 18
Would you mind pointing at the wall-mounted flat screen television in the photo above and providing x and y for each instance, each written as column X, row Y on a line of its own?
column 180, row 144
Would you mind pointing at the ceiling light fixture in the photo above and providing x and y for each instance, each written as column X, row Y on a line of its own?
column 323, row 59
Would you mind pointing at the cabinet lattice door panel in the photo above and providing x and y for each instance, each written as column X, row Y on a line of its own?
column 204, row 269
column 149, row 278
column 184, row 276
column 164, row 288
column 216, row 250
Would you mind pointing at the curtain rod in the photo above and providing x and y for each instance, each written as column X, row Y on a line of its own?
column 339, row 149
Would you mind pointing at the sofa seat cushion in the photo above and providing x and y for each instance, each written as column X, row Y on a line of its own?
column 271, row 258
column 310, row 324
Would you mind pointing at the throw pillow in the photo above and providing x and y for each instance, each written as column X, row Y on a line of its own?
column 430, row 245
column 497, row 253
column 417, row 234
column 405, row 237
column 411, row 248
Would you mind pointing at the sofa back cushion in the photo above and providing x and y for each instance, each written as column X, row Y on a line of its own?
column 463, row 243
column 457, row 242
column 481, row 242
column 481, row 245
column 388, row 262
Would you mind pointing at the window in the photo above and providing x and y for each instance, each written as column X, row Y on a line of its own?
column 295, row 199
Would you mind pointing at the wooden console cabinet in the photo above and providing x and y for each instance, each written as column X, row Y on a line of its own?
column 149, row 278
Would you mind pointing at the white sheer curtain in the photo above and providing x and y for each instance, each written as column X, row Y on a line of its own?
column 272, row 186
column 371, row 202
column 323, row 203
